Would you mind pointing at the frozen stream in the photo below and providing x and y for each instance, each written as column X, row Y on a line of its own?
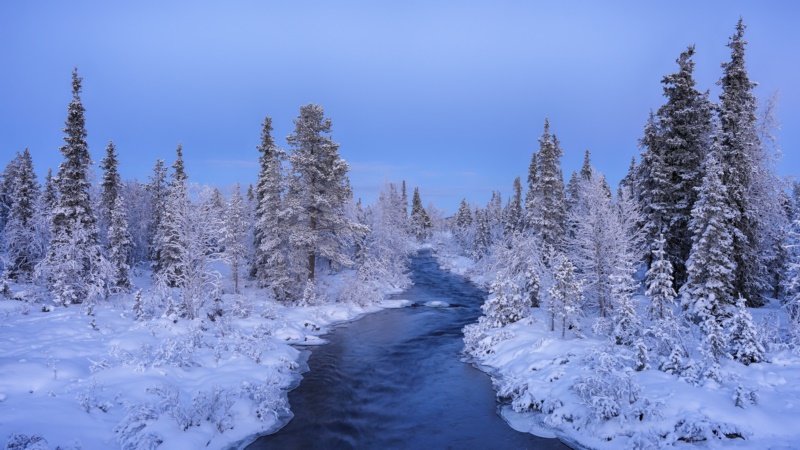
column 394, row 379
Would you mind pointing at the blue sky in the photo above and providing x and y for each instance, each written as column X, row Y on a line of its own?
column 450, row 96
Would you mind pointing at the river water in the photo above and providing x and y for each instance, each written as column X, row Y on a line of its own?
column 395, row 379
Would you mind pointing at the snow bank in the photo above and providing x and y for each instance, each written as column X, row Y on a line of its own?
column 110, row 381
column 587, row 392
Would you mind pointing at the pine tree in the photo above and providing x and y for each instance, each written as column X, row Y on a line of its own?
column 530, row 195
column 548, row 215
column 158, row 190
column 22, row 251
column 318, row 192
column 505, row 304
column 483, row 238
column 711, row 265
column 565, row 297
column 659, row 283
column 586, row 168
column 420, row 221
column 173, row 237
column 513, row 215
column 270, row 230
column 742, row 335
column 654, row 185
column 119, row 246
column 75, row 268
column 738, row 142
column 463, row 224
column 110, row 186
column 234, row 234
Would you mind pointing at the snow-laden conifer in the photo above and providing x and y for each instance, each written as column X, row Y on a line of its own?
column 659, row 283
column 505, row 304
column 234, row 233
column 548, row 212
column 420, row 220
column 742, row 335
column 75, row 268
column 318, row 193
column 110, row 188
column 119, row 246
column 172, row 236
column 566, row 294
column 22, row 249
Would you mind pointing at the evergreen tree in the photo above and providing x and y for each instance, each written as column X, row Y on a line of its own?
column 233, row 235
column 513, row 215
column 659, row 283
column 738, row 142
column 654, row 185
column 565, row 297
column 318, row 193
column 586, row 168
column 110, row 186
column 270, row 230
column 530, row 195
column 548, row 215
column 420, row 221
column 742, row 335
column 173, row 237
column 158, row 189
column 119, row 246
column 22, row 251
column 483, row 239
column 75, row 268
column 711, row 265
column 505, row 304
column 404, row 197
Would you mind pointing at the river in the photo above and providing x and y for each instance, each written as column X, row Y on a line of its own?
column 395, row 379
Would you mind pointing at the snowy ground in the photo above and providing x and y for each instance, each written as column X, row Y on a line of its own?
column 546, row 380
column 109, row 381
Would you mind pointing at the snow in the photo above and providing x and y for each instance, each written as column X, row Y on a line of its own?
column 538, row 377
column 73, row 379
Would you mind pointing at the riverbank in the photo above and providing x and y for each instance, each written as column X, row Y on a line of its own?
column 110, row 380
column 587, row 391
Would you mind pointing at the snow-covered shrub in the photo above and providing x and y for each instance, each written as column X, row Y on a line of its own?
column 25, row 442
column 132, row 433
column 610, row 389
column 213, row 406
column 90, row 399
column 480, row 339
column 241, row 307
column 267, row 397
column 769, row 333
column 138, row 308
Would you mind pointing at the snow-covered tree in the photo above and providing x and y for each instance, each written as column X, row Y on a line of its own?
column 566, row 294
column 711, row 264
column 420, row 221
column 513, row 214
column 139, row 212
column 74, row 267
column 463, row 225
column 119, row 246
column 318, row 193
column 548, row 212
column 110, row 189
column 172, row 236
column 738, row 144
column 157, row 188
column 482, row 240
column 234, row 233
column 659, row 282
column 22, row 249
column 742, row 335
column 505, row 304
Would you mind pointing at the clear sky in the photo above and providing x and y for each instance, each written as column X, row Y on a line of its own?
column 450, row 96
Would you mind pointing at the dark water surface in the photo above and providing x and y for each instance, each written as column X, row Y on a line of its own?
column 394, row 379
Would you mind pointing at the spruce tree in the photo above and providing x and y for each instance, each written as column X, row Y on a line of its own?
column 565, row 297
column 22, row 251
column 513, row 215
column 548, row 215
column 483, row 239
column 659, row 283
column 743, row 337
column 711, row 266
column 157, row 188
column 110, row 187
column 318, row 192
column 530, row 195
column 75, row 268
column 738, row 141
column 270, row 230
column 420, row 221
column 172, row 237
column 119, row 246
column 233, row 235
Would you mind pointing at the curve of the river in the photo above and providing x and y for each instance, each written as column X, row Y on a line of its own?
column 396, row 379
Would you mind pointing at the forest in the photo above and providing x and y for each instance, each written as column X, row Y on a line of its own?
column 612, row 313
